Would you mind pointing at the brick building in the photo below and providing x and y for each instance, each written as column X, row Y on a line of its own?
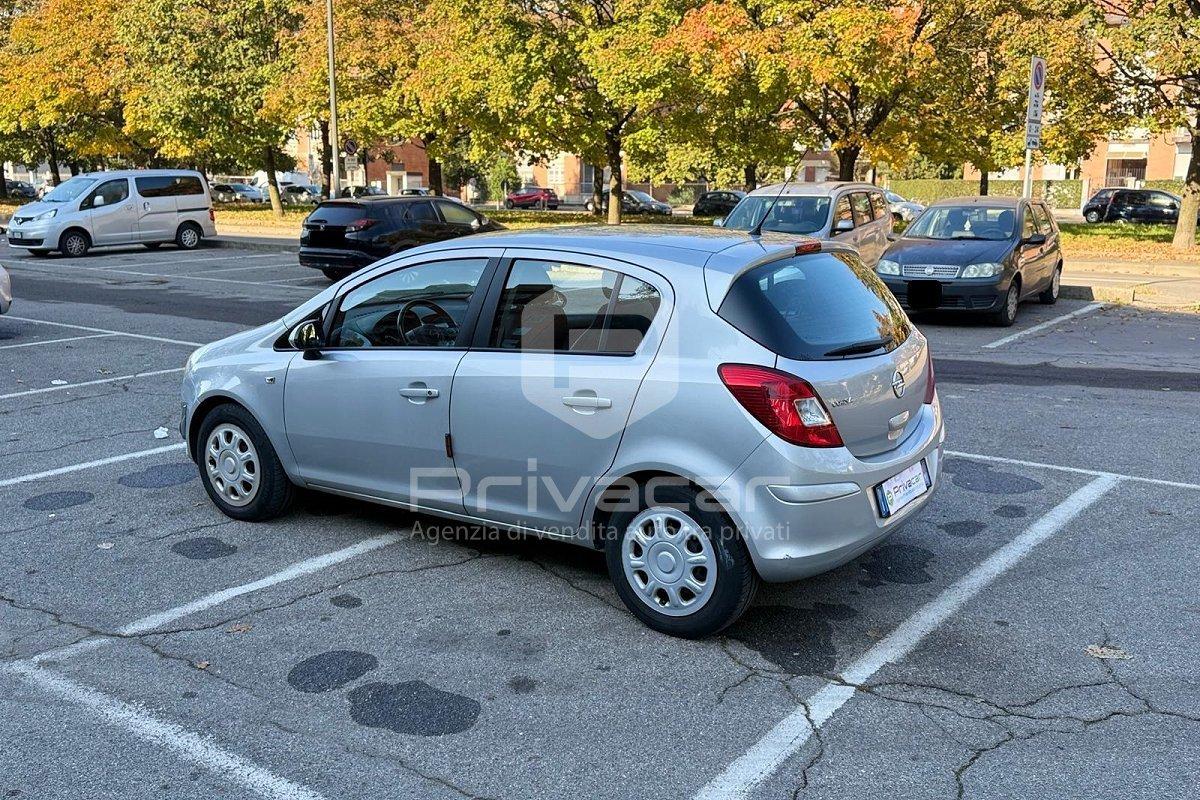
column 390, row 166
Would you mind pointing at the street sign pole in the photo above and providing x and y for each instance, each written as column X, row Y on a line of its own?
column 1033, row 119
column 335, row 182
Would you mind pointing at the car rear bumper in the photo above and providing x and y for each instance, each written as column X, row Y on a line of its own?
column 319, row 258
column 803, row 511
column 954, row 295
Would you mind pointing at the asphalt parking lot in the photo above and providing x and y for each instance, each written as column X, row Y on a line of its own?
column 1034, row 632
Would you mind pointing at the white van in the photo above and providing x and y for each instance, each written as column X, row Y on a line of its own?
column 98, row 209
column 854, row 213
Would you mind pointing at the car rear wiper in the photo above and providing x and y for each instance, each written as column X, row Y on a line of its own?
column 861, row 347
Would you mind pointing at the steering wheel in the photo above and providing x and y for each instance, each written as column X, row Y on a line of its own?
column 436, row 329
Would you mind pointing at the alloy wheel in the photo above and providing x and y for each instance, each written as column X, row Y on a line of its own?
column 232, row 465
column 188, row 238
column 669, row 561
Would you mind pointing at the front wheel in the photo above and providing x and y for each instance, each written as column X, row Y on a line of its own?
column 1050, row 295
column 679, row 565
column 75, row 244
column 508, row 204
column 239, row 467
column 1007, row 314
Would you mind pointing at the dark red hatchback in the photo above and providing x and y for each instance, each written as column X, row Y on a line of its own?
column 532, row 197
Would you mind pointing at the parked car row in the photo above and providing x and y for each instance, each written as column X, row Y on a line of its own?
column 633, row 201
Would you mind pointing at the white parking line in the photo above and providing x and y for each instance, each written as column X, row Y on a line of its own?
column 176, row 276
column 100, row 462
column 157, row 731
column 256, row 266
column 56, row 341
column 1077, row 470
column 1079, row 312
column 178, row 261
column 97, row 382
column 787, row 737
column 105, row 330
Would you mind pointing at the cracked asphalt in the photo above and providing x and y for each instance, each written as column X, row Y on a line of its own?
column 150, row 647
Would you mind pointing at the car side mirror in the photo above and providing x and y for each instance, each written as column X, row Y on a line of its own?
column 719, row 222
column 476, row 224
column 1037, row 238
column 843, row 226
column 307, row 337
column 97, row 201
column 893, row 236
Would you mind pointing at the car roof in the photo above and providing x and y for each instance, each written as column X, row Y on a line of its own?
column 380, row 199
column 139, row 173
column 974, row 200
column 802, row 189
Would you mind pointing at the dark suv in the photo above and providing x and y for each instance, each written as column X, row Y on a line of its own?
column 1133, row 205
column 341, row 236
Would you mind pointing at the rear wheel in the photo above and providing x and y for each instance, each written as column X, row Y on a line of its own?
column 334, row 275
column 1092, row 216
column 1007, row 314
column 239, row 467
column 679, row 565
column 1050, row 295
column 188, row 236
column 74, row 243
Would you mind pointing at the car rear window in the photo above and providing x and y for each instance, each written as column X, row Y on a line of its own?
column 807, row 307
column 337, row 213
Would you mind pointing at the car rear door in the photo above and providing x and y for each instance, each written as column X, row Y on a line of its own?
column 457, row 218
column 371, row 413
column 155, row 207
column 543, row 397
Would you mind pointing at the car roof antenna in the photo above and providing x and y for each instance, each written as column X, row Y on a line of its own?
column 757, row 229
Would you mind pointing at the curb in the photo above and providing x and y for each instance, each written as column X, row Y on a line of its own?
column 247, row 243
column 1105, row 294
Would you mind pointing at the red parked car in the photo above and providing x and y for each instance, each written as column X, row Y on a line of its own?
column 532, row 197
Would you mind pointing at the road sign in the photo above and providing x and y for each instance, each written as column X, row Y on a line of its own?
column 1037, row 87
column 350, row 147
column 1033, row 135
column 351, row 163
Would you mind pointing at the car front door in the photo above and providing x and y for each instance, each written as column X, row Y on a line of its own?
column 541, row 401
column 111, row 214
column 425, row 224
column 371, row 413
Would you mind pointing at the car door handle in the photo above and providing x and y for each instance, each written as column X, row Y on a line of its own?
column 586, row 401
column 419, row 392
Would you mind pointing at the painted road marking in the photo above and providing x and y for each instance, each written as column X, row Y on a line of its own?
column 1077, row 470
column 789, row 735
column 57, row 341
column 100, row 462
column 43, row 390
column 106, row 330
column 1079, row 312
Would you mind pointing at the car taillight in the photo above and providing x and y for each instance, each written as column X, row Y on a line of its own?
column 788, row 406
column 360, row 225
column 212, row 217
column 930, row 384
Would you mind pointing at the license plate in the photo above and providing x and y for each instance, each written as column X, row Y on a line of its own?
column 899, row 490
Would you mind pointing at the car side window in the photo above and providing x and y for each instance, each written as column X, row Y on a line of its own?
column 1027, row 227
column 861, row 205
column 422, row 212
column 1161, row 200
column 456, row 213
column 569, row 308
column 842, row 212
column 879, row 204
column 419, row 306
column 111, row 191
column 1043, row 218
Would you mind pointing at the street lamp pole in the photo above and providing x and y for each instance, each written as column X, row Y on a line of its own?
column 334, row 143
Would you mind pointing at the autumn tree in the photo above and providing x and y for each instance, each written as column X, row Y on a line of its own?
column 203, row 71
column 1151, row 49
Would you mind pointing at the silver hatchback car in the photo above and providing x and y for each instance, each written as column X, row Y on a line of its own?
column 709, row 407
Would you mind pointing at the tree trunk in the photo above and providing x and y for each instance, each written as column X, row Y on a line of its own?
column 750, row 176
column 326, row 161
column 1185, row 228
column 273, row 183
column 983, row 183
column 3, row 182
column 612, row 148
column 597, row 192
column 52, row 161
column 847, row 156
column 435, row 167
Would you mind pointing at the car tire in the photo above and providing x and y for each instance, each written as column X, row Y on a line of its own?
column 1007, row 313
column 151, row 245
column 1050, row 296
column 691, row 530
column 74, row 243
column 1092, row 216
column 188, row 236
column 335, row 275
column 239, row 467
column 508, row 204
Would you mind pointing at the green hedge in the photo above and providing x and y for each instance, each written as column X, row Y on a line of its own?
column 1172, row 186
column 1060, row 194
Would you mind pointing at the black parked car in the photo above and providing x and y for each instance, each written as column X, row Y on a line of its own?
column 717, row 204
column 363, row 191
column 21, row 189
column 634, row 201
column 341, row 236
column 976, row 254
column 1151, row 206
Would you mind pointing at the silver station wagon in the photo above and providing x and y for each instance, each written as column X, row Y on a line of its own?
column 709, row 407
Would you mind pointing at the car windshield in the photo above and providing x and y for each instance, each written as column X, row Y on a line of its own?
column 645, row 198
column 892, row 197
column 993, row 223
column 784, row 215
column 68, row 190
